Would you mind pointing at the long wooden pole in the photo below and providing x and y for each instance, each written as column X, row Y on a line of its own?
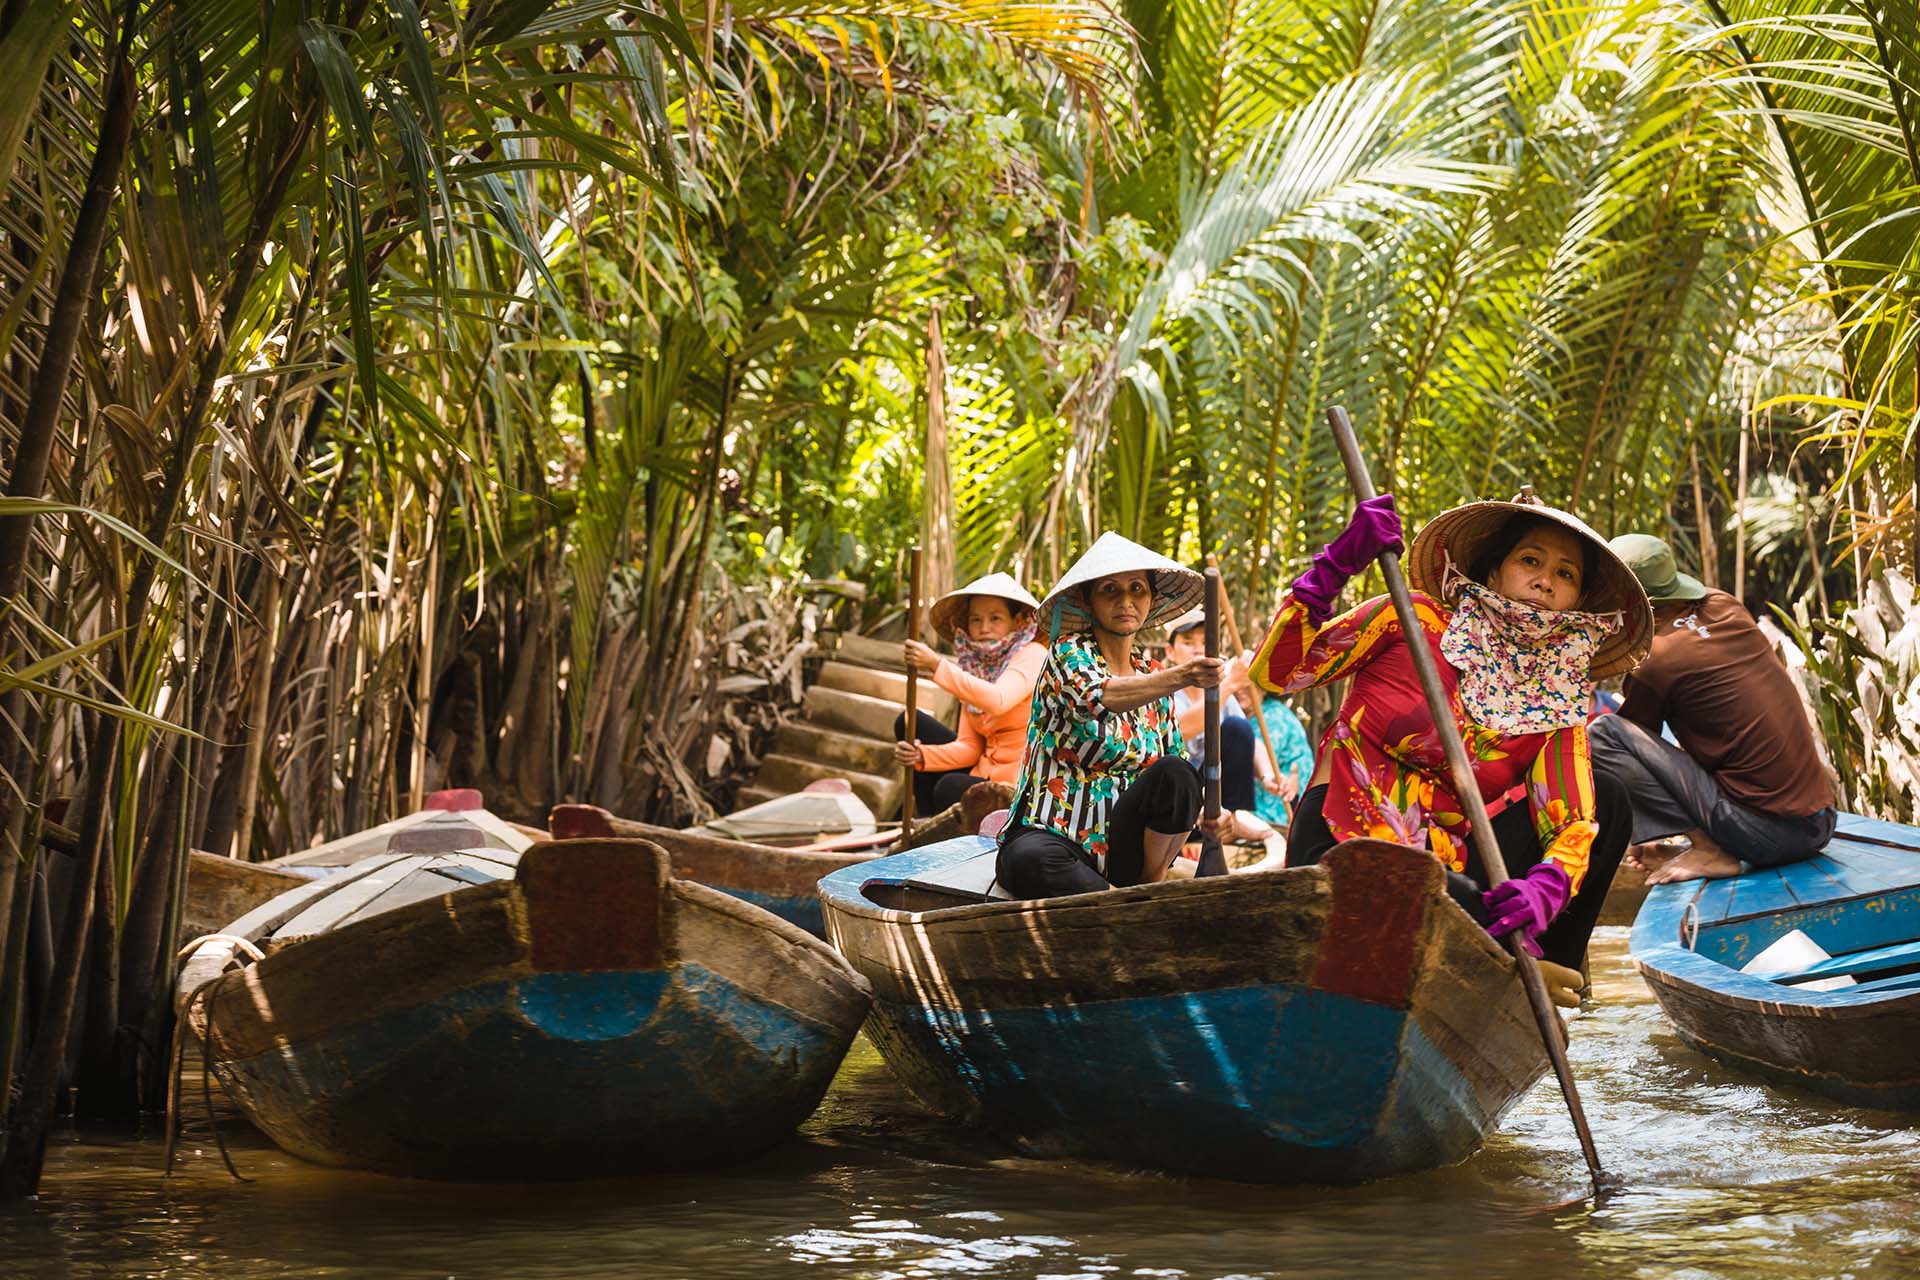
column 912, row 721
column 1259, row 697
column 1461, row 770
column 1210, row 754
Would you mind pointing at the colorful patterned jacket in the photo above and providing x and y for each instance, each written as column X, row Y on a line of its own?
column 1080, row 756
column 1386, row 772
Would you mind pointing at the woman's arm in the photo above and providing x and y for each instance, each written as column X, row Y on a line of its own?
column 1560, row 792
column 1124, row 693
column 1298, row 655
column 962, row 753
column 1013, row 689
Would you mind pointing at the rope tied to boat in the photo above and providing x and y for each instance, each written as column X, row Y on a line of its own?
column 179, row 1054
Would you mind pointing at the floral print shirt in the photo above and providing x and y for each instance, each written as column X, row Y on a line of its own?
column 1080, row 756
column 1387, row 772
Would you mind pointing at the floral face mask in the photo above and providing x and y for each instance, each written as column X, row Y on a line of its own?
column 1522, row 669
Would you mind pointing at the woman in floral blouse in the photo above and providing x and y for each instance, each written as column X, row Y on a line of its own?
column 1106, row 796
column 1524, row 608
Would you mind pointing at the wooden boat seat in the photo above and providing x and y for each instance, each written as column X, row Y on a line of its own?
column 966, row 881
column 1899, row 955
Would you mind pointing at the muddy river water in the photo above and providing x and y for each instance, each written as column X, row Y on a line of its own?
column 1722, row 1176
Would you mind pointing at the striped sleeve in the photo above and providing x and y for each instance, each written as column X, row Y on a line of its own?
column 1560, row 790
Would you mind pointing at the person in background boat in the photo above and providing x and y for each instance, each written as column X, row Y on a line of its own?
column 1746, row 784
column 1293, row 754
column 1106, row 796
column 990, row 624
column 1243, row 765
column 1524, row 607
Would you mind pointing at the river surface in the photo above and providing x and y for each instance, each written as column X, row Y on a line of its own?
column 1722, row 1177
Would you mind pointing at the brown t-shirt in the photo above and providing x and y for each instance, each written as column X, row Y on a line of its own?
column 1716, row 679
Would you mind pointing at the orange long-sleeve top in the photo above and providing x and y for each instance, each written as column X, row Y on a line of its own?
column 993, row 717
column 1386, row 771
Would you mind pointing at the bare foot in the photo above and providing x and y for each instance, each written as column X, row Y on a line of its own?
column 1654, row 854
column 1702, row 862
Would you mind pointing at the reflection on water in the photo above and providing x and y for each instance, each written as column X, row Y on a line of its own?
column 1722, row 1177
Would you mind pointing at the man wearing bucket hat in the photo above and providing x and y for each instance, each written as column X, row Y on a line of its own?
column 1745, row 784
column 990, row 624
column 1106, row 796
column 1524, row 608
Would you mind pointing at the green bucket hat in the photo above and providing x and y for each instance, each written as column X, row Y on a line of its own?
column 1652, row 563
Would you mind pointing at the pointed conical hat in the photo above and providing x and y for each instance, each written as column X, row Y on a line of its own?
column 949, row 610
column 1176, row 588
column 1460, row 533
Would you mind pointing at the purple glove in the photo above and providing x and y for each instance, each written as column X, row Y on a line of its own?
column 1375, row 527
column 1528, row 903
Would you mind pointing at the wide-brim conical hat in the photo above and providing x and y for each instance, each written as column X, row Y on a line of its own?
column 1176, row 588
column 1461, row 532
column 949, row 610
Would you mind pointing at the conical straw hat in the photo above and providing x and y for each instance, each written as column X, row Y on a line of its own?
column 950, row 609
column 1461, row 532
column 1176, row 588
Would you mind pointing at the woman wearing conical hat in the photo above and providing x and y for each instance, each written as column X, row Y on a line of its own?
column 1524, row 607
column 990, row 624
column 1106, row 796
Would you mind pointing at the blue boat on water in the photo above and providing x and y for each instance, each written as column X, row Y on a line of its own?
column 1840, row 1015
column 1323, row 1024
column 580, row 1012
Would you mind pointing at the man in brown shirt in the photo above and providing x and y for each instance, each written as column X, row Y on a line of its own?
column 1745, row 785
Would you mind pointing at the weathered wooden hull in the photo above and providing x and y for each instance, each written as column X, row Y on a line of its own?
column 591, row 1016
column 221, row 890
column 1320, row 1024
column 782, row 881
column 1859, row 1045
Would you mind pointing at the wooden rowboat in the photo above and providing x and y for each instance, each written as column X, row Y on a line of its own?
column 222, row 889
column 782, row 881
column 1331, row 1023
column 1859, row 902
column 590, row 1015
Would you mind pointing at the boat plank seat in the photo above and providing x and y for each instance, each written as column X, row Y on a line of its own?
column 1861, row 871
column 1893, row 983
column 1898, row 955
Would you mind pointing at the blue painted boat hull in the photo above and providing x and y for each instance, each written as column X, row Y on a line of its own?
column 528, row 1036
column 1860, row 898
column 1328, row 1024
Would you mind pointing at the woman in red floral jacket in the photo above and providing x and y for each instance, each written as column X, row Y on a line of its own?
column 1525, row 607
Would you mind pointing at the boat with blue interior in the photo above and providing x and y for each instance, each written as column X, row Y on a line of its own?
column 1806, row 975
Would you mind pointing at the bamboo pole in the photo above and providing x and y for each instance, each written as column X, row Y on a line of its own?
column 1461, row 770
column 1210, row 754
column 1259, row 697
column 1740, row 506
column 911, row 723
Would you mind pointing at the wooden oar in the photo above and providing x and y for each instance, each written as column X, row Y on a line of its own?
column 1461, row 770
column 1259, row 697
column 912, row 721
column 1210, row 753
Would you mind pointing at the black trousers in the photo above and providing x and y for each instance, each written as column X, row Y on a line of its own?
column 1035, row 862
column 1565, row 940
column 1237, row 737
column 933, row 789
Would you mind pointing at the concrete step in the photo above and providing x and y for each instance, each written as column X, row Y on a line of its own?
column 786, row 773
column 851, row 751
column 890, row 685
column 850, row 712
column 864, row 651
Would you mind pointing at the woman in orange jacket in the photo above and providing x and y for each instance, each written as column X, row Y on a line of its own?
column 990, row 624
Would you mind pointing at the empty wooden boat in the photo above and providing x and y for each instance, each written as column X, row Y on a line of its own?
column 1332, row 1023
column 783, row 881
column 588, row 1015
column 1842, row 1019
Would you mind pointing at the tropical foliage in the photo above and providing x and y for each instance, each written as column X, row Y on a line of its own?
column 503, row 395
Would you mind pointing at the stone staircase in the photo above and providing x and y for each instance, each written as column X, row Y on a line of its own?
column 845, row 729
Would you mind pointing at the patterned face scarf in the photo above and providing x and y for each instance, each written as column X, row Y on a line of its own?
column 1522, row 669
column 987, row 661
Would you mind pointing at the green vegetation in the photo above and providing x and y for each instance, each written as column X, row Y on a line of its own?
column 393, row 394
